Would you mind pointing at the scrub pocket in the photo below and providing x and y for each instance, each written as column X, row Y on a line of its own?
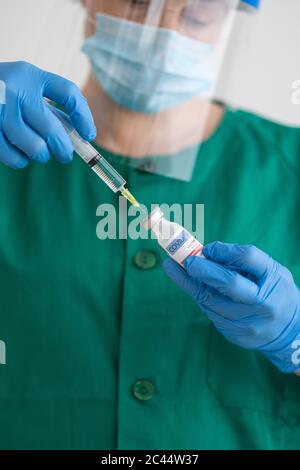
column 246, row 380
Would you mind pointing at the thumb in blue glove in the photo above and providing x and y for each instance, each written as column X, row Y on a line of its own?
column 251, row 299
column 28, row 129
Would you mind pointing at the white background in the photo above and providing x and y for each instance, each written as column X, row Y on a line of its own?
column 262, row 62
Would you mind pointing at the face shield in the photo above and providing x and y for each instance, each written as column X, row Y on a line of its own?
column 156, row 63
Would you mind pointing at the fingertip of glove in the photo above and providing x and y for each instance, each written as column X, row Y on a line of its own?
column 19, row 165
column 66, row 159
column 84, row 125
column 190, row 261
column 209, row 249
column 168, row 265
column 43, row 157
column 90, row 136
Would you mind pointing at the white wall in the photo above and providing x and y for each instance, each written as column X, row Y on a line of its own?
column 47, row 33
column 262, row 62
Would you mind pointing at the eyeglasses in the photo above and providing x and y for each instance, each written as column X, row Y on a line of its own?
column 193, row 15
column 194, row 18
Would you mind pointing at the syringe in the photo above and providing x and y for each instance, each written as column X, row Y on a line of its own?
column 94, row 159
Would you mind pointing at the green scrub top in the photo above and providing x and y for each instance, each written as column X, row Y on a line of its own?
column 103, row 351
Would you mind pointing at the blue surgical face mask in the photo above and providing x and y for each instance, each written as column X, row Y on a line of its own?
column 148, row 69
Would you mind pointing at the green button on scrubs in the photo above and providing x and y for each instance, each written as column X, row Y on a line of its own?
column 103, row 350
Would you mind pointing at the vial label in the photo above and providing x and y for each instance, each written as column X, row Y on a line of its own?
column 182, row 246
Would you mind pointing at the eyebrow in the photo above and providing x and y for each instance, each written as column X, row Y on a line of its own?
column 225, row 3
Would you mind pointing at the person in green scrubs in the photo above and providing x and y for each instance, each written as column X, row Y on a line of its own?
column 103, row 350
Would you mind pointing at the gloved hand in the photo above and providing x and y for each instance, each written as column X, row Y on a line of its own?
column 251, row 299
column 28, row 129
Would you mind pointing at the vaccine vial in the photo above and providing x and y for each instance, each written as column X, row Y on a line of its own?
column 178, row 243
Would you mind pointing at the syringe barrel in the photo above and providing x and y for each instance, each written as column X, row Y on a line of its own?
column 89, row 154
column 85, row 150
column 107, row 173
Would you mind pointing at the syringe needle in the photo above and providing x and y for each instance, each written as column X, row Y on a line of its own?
column 94, row 159
column 127, row 194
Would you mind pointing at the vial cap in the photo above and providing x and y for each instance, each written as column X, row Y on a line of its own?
column 152, row 218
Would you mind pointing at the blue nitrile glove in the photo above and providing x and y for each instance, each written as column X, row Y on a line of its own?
column 28, row 129
column 251, row 299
